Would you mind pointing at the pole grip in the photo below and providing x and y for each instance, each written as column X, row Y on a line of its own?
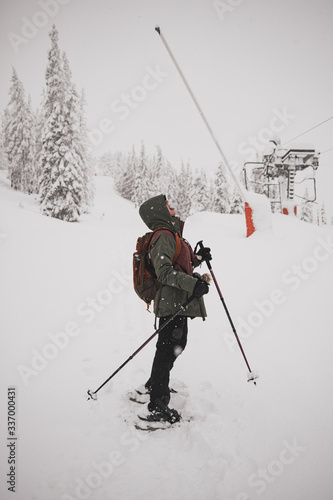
column 201, row 245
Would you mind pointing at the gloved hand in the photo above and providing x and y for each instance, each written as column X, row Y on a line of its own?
column 201, row 288
column 204, row 253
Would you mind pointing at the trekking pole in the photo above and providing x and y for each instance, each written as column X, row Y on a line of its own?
column 252, row 376
column 93, row 394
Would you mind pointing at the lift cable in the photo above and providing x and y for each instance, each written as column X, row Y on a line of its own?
column 312, row 128
column 326, row 151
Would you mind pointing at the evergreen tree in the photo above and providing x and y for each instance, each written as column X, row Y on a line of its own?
column 19, row 140
column 5, row 139
column 62, row 179
column 306, row 213
column 221, row 194
column 159, row 173
column 105, row 165
column 39, row 123
column 119, row 163
column 256, row 181
column 236, row 204
column 87, row 160
column 3, row 157
column 200, row 193
column 211, row 195
column 183, row 189
column 323, row 214
column 155, row 170
column 29, row 179
column 141, row 179
column 168, row 180
column 124, row 179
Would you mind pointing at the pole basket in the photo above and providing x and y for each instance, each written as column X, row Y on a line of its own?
column 253, row 377
column 92, row 395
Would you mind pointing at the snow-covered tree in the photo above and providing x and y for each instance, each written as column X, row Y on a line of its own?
column 183, row 188
column 256, row 181
column 221, row 194
column 170, row 180
column 141, row 178
column 3, row 157
column 160, row 171
column 29, row 179
column 105, row 165
column 124, row 178
column 306, row 212
column 236, row 203
column 63, row 181
column 211, row 194
column 19, row 138
column 323, row 214
column 200, row 193
column 39, row 122
column 112, row 164
column 87, row 160
column 119, row 162
column 5, row 139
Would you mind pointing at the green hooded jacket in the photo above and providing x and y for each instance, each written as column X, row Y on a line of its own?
column 177, row 285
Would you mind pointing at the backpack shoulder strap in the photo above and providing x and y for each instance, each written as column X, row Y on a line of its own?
column 166, row 230
column 178, row 248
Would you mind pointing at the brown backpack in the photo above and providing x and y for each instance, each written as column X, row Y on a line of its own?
column 145, row 281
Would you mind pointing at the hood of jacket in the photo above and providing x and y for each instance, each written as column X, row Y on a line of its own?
column 155, row 213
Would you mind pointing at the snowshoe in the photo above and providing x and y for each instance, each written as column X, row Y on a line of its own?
column 159, row 411
column 144, row 425
column 139, row 396
column 142, row 394
column 156, row 421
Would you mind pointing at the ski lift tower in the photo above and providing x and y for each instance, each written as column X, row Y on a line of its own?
column 283, row 174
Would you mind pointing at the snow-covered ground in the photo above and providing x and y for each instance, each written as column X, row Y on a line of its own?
column 69, row 318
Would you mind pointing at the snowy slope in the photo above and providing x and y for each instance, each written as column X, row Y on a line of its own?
column 69, row 318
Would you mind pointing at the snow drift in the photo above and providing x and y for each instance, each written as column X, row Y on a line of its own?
column 70, row 317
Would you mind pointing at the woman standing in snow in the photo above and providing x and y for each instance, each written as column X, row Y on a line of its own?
column 179, row 283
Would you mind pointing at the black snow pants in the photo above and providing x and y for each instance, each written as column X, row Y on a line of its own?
column 171, row 342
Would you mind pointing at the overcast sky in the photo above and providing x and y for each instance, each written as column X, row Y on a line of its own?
column 254, row 66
